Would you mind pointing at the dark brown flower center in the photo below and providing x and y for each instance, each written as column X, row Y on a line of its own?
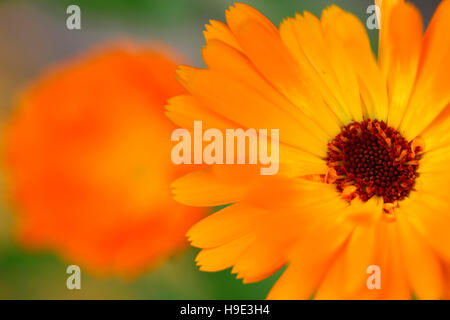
column 373, row 159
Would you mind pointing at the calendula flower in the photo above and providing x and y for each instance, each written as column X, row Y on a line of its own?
column 360, row 205
column 87, row 153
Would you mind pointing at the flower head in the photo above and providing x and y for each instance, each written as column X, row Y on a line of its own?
column 86, row 154
column 364, row 152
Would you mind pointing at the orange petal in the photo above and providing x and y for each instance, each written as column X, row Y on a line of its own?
column 184, row 110
column 437, row 134
column 234, row 100
column 217, row 30
column 241, row 13
column 432, row 90
column 429, row 214
column 359, row 254
column 421, row 263
column 317, row 60
column 352, row 34
column 224, row 226
column 223, row 257
column 214, row 186
column 281, row 70
column 404, row 32
column 347, row 272
column 394, row 284
column 310, row 259
column 263, row 258
column 384, row 42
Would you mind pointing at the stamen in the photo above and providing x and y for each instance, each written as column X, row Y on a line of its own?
column 334, row 148
column 402, row 155
column 348, row 192
column 331, row 176
column 417, row 146
column 388, row 211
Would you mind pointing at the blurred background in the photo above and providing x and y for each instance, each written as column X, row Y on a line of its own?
column 33, row 36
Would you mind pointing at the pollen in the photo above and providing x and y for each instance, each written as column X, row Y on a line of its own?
column 374, row 160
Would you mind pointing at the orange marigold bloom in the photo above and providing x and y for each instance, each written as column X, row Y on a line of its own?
column 364, row 152
column 88, row 160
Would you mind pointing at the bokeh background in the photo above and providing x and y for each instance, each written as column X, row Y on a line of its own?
column 33, row 36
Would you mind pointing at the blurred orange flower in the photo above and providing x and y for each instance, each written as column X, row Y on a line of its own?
column 88, row 160
column 360, row 207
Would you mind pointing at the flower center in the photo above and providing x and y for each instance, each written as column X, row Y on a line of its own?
column 369, row 159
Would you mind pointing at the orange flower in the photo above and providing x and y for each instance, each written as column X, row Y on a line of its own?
column 364, row 152
column 88, row 157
